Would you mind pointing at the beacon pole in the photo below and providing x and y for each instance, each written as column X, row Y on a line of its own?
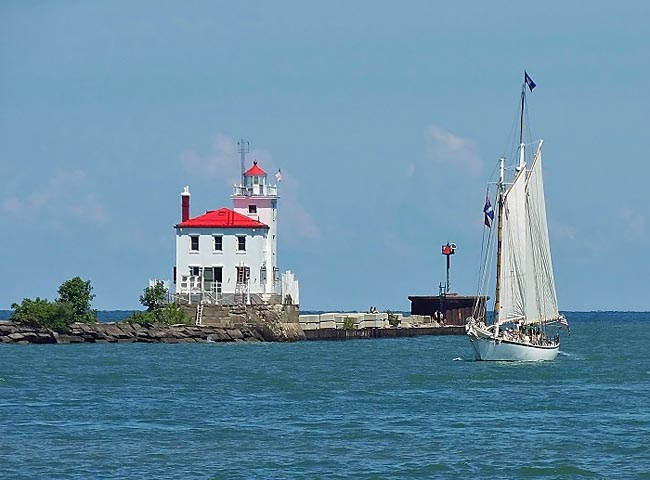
column 448, row 250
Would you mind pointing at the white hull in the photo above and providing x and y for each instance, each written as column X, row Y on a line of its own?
column 491, row 349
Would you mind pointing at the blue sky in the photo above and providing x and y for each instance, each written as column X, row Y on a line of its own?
column 386, row 118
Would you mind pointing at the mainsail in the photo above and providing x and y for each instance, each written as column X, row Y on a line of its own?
column 527, row 288
column 513, row 252
column 542, row 300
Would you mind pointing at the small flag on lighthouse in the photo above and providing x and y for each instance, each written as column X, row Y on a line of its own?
column 489, row 212
column 278, row 175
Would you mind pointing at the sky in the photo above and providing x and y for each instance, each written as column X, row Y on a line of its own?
column 386, row 118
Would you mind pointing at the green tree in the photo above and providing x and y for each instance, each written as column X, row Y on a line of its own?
column 78, row 294
column 43, row 313
column 154, row 297
column 158, row 310
column 393, row 319
column 348, row 323
column 143, row 318
column 172, row 314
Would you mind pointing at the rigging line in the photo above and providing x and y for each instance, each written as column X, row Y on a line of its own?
column 483, row 277
column 485, row 266
column 481, row 270
column 513, row 127
column 481, row 263
column 494, row 170
column 490, row 265
column 485, row 247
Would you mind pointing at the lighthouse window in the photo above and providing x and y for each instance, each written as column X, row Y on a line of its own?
column 218, row 274
column 241, row 244
column 252, row 209
column 218, row 243
column 263, row 274
column 194, row 243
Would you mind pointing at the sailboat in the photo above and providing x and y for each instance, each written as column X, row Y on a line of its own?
column 525, row 308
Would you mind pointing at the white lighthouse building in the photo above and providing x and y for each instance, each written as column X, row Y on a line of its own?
column 230, row 256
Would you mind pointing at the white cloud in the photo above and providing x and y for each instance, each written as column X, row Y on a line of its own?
column 223, row 161
column 297, row 217
column 12, row 206
column 633, row 220
column 63, row 194
column 447, row 148
column 90, row 209
column 410, row 170
column 60, row 185
column 564, row 231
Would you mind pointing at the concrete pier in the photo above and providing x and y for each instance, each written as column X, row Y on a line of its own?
column 366, row 333
column 352, row 325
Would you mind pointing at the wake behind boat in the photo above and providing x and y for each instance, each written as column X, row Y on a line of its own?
column 525, row 301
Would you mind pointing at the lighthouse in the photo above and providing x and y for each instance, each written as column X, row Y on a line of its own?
column 258, row 200
column 229, row 256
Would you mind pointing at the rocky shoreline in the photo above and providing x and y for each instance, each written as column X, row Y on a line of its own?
column 13, row 333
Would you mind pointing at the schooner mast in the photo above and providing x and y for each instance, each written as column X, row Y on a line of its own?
column 502, row 190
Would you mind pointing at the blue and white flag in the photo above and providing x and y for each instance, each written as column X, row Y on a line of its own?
column 489, row 212
column 529, row 81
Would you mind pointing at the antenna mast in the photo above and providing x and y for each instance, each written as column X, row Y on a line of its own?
column 243, row 147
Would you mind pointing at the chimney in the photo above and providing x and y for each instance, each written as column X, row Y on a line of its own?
column 185, row 204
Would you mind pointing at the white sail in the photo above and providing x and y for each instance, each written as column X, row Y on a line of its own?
column 527, row 293
column 513, row 252
column 541, row 299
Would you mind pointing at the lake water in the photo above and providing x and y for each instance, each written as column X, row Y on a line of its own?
column 366, row 409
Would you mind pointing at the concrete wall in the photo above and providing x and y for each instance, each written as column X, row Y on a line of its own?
column 275, row 322
column 337, row 320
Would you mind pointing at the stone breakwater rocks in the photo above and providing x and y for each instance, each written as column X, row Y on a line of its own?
column 13, row 333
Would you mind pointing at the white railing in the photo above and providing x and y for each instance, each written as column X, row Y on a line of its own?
column 246, row 191
column 190, row 284
column 192, row 289
column 290, row 289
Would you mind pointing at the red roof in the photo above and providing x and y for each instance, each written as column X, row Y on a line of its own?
column 222, row 218
column 255, row 171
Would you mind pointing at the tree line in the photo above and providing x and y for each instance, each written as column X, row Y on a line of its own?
column 73, row 304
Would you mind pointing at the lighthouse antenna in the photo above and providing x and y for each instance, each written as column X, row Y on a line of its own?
column 243, row 147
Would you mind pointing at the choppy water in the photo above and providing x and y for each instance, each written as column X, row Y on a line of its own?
column 367, row 409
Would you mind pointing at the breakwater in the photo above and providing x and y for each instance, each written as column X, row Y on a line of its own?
column 398, row 332
column 355, row 325
column 12, row 333
column 213, row 323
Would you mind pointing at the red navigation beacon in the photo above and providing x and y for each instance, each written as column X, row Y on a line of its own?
column 449, row 249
